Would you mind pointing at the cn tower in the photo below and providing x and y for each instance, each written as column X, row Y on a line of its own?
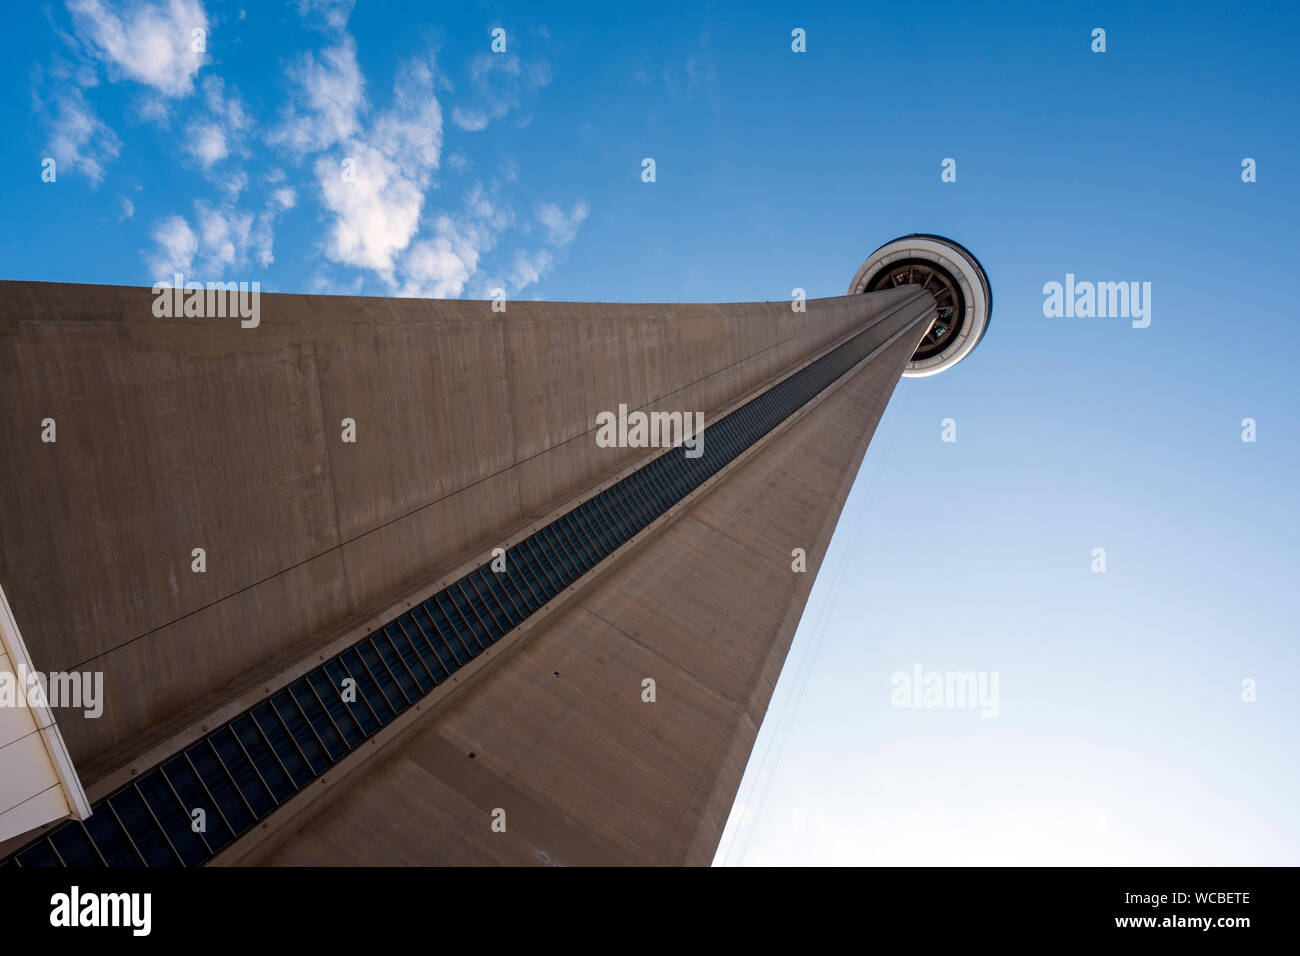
column 435, row 621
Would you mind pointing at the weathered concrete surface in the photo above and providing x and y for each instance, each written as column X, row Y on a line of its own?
column 557, row 734
column 175, row 434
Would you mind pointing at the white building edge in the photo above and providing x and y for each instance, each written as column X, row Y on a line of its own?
column 38, row 783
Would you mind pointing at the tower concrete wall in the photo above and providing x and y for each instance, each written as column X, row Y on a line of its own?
column 175, row 434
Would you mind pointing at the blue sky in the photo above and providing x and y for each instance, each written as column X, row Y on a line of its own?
column 1121, row 735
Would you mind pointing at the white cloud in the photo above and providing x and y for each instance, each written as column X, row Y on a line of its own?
column 529, row 268
column 411, row 131
column 488, row 210
column 151, row 108
column 375, row 171
column 224, row 235
column 175, row 246
column 561, row 229
column 499, row 80
column 229, row 109
column 375, row 214
column 78, row 140
column 439, row 267
column 219, row 239
column 330, row 97
column 232, row 184
column 207, row 144
column 334, row 13
column 377, row 210
column 470, row 120
column 538, row 74
column 128, row 209
column 325, row 282
column 218, row 136
column 151, row 43
column 485, row 64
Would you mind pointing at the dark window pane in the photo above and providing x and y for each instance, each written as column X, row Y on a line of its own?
column 40, row 854
column 110, row 838
column 384, row 646
column 272, row 772
column 220, row 786
column 173, row 817
column 299, row 771
column 146, row 834
column 320, row 682
column 74, row 846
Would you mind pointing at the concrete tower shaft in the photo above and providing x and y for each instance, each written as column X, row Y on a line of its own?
column 518, row 686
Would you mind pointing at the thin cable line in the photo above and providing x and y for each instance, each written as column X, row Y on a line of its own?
column 823, row 625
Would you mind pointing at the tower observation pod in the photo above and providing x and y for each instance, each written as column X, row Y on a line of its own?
column 953, row 276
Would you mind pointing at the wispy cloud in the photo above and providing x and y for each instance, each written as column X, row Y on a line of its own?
column 329, row 99
column 561, row 228
column 372, row 170
column 332, row 14
column 217, row 135
column 441, row 266
column 77, row 139
column 220, row 238
column 499, row 81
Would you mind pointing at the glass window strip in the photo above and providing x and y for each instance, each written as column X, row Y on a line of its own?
column 594, row 551
column 456, row 622
column 93, row 845
column 600, row 544
column 451, row 605
column 320, row 676
column 356, row 687
column 230, row 778
column 405, row 668
column 186, row 812
column 543, row 574
column 520, row 576
column 585, row 549
column 569, row 567
column 441, row 634
column 157, row 823
column 387, row 671
column 438, row 655
column 203, row 785
column 478, row 627
column 306, row 721
column 496, row 610
column 419, row 656
column 230, row 728
column 383, row 694
column 265, row 741
column 315, row 700
column 283, row 728
column 108, row 803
